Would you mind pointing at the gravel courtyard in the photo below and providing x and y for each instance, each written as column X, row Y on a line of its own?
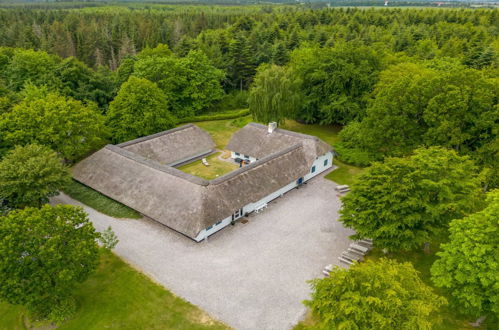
column 252, row 275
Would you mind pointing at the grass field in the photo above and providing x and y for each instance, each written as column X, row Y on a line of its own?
column 118, row 297
column 99, row 202
column 222, row 130
column 327, row 133
column 217, row 167
column 345, row 173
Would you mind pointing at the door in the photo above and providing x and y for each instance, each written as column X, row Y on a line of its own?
column 237, row 214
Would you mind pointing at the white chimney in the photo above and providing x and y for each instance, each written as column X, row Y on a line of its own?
column 272, row 127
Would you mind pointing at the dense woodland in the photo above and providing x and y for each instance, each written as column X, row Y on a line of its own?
column 397, row 78
column 415, row 91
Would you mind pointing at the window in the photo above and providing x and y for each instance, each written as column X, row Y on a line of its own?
column 325, row 162
column 218, row 223
column 209, row 228
column 237, row 154
column 313, row 169
column 246, row 156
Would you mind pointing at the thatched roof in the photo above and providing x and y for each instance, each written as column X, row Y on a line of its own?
column 254, row 140
column 182, row 201
column 172, row 146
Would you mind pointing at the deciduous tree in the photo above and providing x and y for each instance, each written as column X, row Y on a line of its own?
column 64, row 124
column 30, row 175
column 335, row 81
column 190, row 83
column 437, row 103
column 44, row 254
column 139, row 109
column 469, row 263
column 402, row 202
column 274, row 94
column 381, row 294
column 31, row 66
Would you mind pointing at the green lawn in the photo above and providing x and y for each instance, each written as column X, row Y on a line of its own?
column 217, row 167
column 345, row 173
column 99, row 202
column 327, row 133
column 119, row 297
column 222, row 130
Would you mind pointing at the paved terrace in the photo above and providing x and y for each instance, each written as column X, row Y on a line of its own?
column 252, row 275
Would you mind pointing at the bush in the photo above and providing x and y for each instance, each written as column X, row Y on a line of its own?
column 63, row 311
column 232, row 101
column 354, row 156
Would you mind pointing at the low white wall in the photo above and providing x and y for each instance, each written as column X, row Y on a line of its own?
column 319, row 168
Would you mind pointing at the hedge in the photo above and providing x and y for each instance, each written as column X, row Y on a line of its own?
column 216, row 116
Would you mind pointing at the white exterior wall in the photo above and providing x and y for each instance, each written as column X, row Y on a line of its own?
column 319, row 168
column 319, row 165
column 234, row 156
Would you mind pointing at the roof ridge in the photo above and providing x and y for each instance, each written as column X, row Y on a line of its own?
column 286, row 132
column 153, row 136
column 156, row 165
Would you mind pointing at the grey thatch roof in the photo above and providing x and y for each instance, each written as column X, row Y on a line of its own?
column 254, row 140
column 162, row 193
column 182, row 201
column 172, row 146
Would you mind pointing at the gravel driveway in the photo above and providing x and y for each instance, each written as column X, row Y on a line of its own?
column 252, row 275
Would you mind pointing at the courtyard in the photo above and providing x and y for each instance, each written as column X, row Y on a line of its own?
column 252, row 275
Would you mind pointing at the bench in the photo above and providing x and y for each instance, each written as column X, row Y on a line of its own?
column 261, row 207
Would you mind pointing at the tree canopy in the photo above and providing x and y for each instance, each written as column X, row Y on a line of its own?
column 30, row 175
column 44, row 254
column 139, row 109
column 190, row 83
column 274, row 94
column 402, row 202
column 468, row 265
column 381, row 294
column 335, row 80
column 64, row 124
column 437, row 103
